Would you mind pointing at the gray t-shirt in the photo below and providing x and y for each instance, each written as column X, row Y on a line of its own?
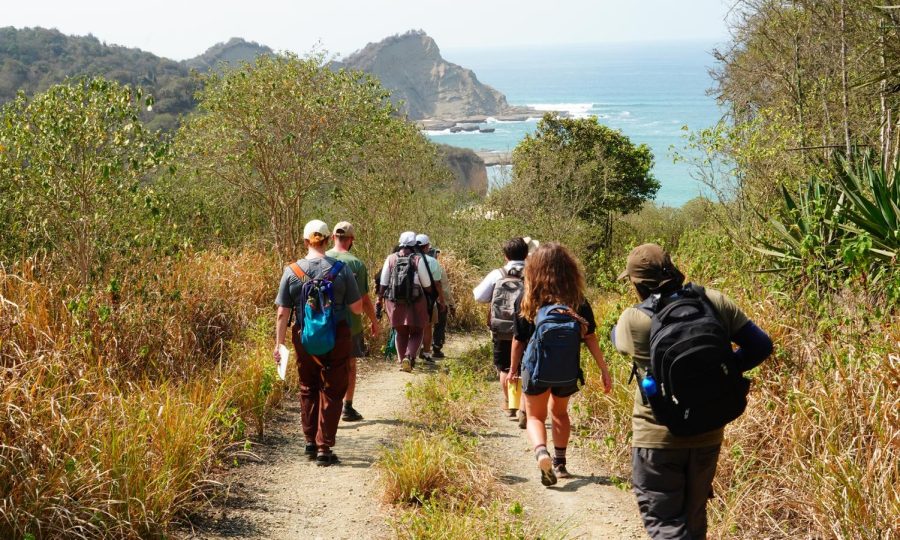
column 345, row 290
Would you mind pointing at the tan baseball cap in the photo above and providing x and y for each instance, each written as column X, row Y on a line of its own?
column 343, row 228
column 651, row 266
column 315, row 226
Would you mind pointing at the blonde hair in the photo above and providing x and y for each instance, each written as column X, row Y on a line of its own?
column 317, row 241
column 552, row 276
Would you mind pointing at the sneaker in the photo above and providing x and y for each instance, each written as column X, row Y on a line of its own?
column 412, row 362
column 561, row 472
column 523, row 420
column 406, row 365
column 545, row 463
column 438, row 354
column 326, row 459
column 429, row 360
column 310, row 450
column 351, row 415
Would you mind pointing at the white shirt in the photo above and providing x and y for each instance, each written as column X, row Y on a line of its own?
column 420, row 277
column 484, row 292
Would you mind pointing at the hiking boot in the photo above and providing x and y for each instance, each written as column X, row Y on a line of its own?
column 561, row 472
column 429, row 359
column 523, row 420
column 351, row 415
column 513, row 413
column 326, row 459
column 438, row 354
column 545, row 463
column 406, row 365
column 310, row 450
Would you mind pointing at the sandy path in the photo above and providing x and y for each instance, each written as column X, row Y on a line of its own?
column 585, row 506
column 283, row 495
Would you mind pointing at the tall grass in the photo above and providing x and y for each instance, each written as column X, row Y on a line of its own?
column 118, row 403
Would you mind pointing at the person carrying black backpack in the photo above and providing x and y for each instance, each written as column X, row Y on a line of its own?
column 554, row 319
column 690, row 385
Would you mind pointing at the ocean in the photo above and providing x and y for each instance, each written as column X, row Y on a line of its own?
column 649, row 90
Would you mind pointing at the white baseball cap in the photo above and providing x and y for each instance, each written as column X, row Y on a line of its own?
column 407, row 239
column 531, row 243
column 422, row 240
column 315, row 226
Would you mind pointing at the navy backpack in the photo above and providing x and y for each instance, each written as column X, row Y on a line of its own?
column 552, row 357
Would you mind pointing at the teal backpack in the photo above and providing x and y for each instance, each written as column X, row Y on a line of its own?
column 318, row 326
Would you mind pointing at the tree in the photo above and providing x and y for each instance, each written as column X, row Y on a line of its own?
column 73, row 161
column 277, row 132
column 578, row 167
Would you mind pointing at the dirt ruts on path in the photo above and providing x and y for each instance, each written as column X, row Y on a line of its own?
column 285, row 496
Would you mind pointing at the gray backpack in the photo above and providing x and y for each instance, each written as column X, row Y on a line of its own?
column 503, row 302
column 402, row 288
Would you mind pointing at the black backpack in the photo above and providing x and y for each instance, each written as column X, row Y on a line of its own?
column 699, row 386
column 402, row 287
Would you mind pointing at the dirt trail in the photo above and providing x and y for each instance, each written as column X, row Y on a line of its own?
column 284, row 495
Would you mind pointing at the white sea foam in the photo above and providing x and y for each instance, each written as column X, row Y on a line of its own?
column 575, row 110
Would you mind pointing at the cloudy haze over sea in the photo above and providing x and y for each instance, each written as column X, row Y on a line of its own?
column 648, row 90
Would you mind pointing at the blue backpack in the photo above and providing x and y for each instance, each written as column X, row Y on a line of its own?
column 552, row 357
column 315, row 309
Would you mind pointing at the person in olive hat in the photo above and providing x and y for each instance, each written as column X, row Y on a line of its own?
column 672, row 475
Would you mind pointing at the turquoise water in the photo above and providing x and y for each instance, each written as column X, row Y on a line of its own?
column 649, row 91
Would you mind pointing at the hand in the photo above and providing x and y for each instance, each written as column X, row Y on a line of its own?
column 514, row 374
column 607, row 380
column 276, row 354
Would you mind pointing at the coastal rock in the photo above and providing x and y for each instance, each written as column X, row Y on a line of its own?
column 468, row 168
column 423, row 84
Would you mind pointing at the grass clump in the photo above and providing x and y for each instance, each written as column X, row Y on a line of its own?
column 446, row 520
column 451, row 401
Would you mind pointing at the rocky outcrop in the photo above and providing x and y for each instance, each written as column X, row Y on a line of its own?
column 234, row 51
column 467, row 167
column 425, row 86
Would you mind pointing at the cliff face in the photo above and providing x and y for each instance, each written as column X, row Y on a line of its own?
column 467, row 167
column 411, row 66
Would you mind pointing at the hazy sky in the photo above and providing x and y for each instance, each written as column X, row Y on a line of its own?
column 188, row 27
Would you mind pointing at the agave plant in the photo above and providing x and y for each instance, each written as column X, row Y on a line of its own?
column 872, row 204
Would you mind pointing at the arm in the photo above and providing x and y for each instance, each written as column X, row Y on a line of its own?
column 594, row 347
column 281, row 323
column 369, row 310
column 518, row 351
column 485, row 290
column 441, row 300
column 356, row 307
column 754, row 346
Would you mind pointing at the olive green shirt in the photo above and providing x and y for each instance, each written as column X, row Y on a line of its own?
column 632, row 337
column 362, row 282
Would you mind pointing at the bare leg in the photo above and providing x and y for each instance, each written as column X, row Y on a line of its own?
column 504, row 384
column 559, row 417
column 536, row 409
column 426, row 338
column 351, row 384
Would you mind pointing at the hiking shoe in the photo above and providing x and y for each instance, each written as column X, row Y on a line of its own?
column 438, row 354
column 310, row 450
column 412, row 363
column 523, row 420
column 512, row 413
column 545, row 463
column 351, row 415
column 327, row 459
column 561, row 472
column 406, row 365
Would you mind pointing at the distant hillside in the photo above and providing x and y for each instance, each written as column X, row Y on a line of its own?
column 33, row 59
column 424, row 84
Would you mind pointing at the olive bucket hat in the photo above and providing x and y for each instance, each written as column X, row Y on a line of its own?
column 650, row 266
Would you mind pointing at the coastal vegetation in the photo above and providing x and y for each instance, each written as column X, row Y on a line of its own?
column 137, row 271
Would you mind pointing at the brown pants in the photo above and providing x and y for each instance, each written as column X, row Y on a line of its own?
column 322, row 388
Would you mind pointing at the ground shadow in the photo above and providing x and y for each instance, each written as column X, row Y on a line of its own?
column 577, row 482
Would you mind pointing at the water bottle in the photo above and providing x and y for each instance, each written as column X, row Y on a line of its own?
column 648, row 385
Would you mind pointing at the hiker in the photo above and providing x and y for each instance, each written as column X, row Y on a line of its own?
column 438, row 303
column 440, row 327
column 402, row 290
column 343, row 242
column 554, row 319
column 501, row 288
column 318, row 290
column 672, row 473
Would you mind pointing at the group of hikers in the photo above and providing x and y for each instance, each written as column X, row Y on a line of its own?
column 681, row 339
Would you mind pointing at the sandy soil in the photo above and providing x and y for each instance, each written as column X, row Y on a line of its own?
column 283, row 495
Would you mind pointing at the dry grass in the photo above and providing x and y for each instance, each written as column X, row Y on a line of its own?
column 118, row 403
column 463, row 277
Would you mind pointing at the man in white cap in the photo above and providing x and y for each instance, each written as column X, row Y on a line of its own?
column 343, row 242
column 404, row 282
column 439, row 304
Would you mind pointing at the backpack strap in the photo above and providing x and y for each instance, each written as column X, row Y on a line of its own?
column 295, row 268
column 566, row 310
column 334, row 270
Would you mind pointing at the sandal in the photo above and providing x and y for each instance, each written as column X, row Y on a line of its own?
column 545, row 462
